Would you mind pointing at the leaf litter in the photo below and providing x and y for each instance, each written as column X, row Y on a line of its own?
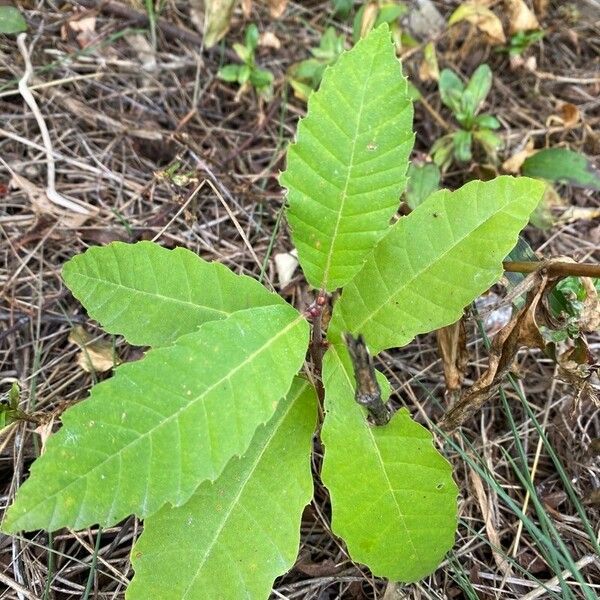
column 103, row 167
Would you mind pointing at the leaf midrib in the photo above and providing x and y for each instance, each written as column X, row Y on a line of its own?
column 330, row 254
column 154, row 295
column 167, row 420
column 242, row 487
column 379, row 458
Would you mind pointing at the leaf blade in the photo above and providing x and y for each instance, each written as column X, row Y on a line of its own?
column 435, row 261
column 564, row 165
column 347, row 168
column 114, row 454
column 152, row 295
column 394, row 500
column 196, row 551
column 423, row 181
column 11, row 20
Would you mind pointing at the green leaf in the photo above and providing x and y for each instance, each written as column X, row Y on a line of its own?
column 164, row 424
column 236, row 535
column 413, row 93
column 462, row 141
column 11, row 20
column 244, row 53
column 251, row 37
column 346, row 171
column 330, row 46
column 441, row 151
column 244, row 74
column 261, row 78
column 229, row 73
column 152, row 295
column 307, row 69
column 563, row 165
column 490, row 141
column 451, row 89
column 487, row 121
column 478, row 88
column 301, row 90
column 392, row 494
column 519, row 42
column 435, row 261
column 388, row 13
column 342, row 8
column 423, row 181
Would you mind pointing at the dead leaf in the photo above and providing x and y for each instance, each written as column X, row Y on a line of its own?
column 286, row 264
column 44, row 430
column 269, row 40
column 276, row 7
column 540, row 7
column 144, row 50
column 428, row 69
column 43, row 207
column 482, row 17
column 568, row 116
column 96, row 356
column 452, row 348
column 518, row 62
column 589, row 321
column 369, row 17
column 520, row 18
column 576, row 366
column 212, row 18
column 522, row 330
column 83, row 26
column 487, row 506
column 579, row 213
column 324, row 568
column 514, row 163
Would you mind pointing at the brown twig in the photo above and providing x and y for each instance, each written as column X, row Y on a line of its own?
column 368, row 392
column 553, row 268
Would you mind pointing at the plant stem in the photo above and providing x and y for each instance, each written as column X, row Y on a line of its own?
column 316, row 344
column 554, row 268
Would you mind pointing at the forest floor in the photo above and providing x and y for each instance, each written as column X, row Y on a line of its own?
column 120, row 113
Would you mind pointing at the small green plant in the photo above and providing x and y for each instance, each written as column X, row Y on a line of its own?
column 465, row 101
column 209, row 437
column 521, row 41
column 9, row 407
column 249, row 74
column 305, row 76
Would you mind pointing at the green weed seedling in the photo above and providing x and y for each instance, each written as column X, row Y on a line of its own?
column 306, row 76
column 465, row 101
column 248, row 74
column 208, row 438
column 521, row 41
